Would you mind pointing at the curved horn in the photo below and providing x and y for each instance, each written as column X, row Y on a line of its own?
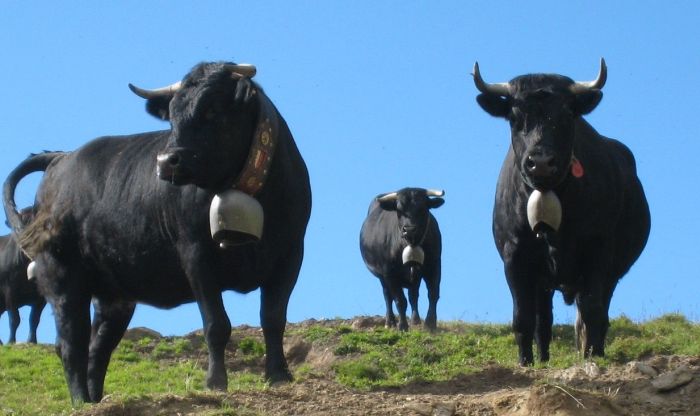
column 391, row 196
column 158, row 92
column 246, row 70
column 435, row 192
column 501, row 88
column 596, row 84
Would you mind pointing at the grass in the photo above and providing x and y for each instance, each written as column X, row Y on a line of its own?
column 32, row 381
column 386, row 358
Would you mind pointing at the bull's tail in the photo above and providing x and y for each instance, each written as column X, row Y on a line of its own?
column 34, row 163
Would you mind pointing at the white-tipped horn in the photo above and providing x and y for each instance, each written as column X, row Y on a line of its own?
column 391, row 196
column 435, row 192
column 596, row 84
column 245, row 70
column 500, row 88
column 158, row 92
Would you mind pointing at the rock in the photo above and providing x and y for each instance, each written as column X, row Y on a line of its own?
column 135, row 334
column 297, row 350
column 365, row 322
column 591, row 369
column 672, row 380
column 422, row 409
column 444, row 409
column 642, row 368
column 434, row 409
column 588, row 370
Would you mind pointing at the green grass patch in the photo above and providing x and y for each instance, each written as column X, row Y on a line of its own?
column 32, row 380
column 384, row 357
column 251, row 347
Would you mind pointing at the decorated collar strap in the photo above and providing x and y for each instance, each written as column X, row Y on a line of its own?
column 262, row 148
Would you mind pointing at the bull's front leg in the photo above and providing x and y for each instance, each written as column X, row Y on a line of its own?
column 217, row 331
column 520, row 282
column 389, row 317
column 273, row 319
column 215, row 322
column 544, row 321
column 400, row 300
column 413, row 301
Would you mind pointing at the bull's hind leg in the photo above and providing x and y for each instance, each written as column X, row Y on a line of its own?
column 68, row 294
column 34, row 317
column 13, row 315
column 108, row 327
column 592, row 320
column 432, row 283
column 2, row 309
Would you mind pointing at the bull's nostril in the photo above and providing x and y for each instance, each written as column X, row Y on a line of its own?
column 173, row 159
column 530, row 163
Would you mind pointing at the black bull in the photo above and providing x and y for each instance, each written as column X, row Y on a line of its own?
column 108, row 229
column 401, row 244
column 16, row 290
column 604, row 218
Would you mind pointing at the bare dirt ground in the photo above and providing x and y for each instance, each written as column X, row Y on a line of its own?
column 660, row 385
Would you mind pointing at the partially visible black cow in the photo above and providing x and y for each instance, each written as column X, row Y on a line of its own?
column 107, row 228
column 16, row 290
column 570, row 213
column 401, row 244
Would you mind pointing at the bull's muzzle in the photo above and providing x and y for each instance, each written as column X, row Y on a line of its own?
column 174, row 165
column 235, row 218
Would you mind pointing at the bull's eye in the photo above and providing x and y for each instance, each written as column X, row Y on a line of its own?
column 210, row 115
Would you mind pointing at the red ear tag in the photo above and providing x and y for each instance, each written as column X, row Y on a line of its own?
column 576, row 168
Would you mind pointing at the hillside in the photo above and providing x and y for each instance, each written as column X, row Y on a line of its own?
column 356, row 367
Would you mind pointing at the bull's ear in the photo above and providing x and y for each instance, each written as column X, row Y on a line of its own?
column 159, row 107
column 494, row 104
column 587, row 101
column 244, row 90
column 435, row 202
column 388, row 205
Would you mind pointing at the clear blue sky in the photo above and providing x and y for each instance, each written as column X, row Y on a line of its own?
column 378, row 96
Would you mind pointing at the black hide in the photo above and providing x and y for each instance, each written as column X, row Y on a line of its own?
column 108, row 229
column 389, row 227
column 16, row 290
column 605, row 216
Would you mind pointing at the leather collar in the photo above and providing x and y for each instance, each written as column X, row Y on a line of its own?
column 252, row 178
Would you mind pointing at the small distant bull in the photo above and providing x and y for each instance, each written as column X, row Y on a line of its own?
column 401, row 244
column 570, row 213
column 16, row 290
